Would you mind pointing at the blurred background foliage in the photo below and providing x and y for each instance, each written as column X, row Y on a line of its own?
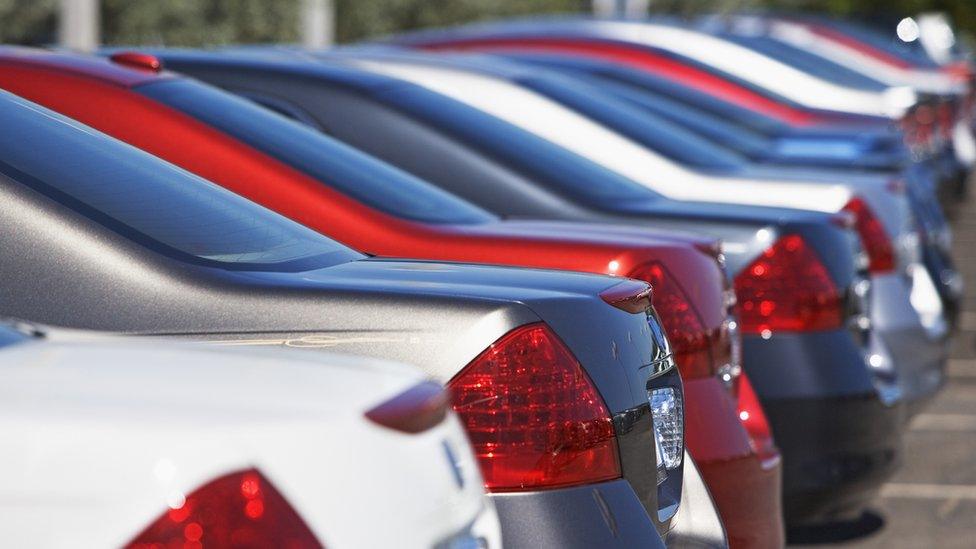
column 201, row 22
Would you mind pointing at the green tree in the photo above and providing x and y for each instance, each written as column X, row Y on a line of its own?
column 214, row 22
column 358, row 19
column 195, row 22
column 28, row 21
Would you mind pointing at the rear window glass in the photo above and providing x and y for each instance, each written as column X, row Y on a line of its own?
column 669, row 139
column 149, row 200
column 560, row 169
column 340, row 166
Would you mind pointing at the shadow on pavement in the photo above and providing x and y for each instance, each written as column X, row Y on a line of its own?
column 868, row 524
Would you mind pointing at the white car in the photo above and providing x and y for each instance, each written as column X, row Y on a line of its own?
column 109, row 442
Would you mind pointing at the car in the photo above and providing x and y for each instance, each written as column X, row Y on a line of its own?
column 943, row 94
column 382, row 211
column 516, row 174
column 900, row 311
column 768, row 76
column 777, row 90
column 640, row 46
column 870, row 52
column 111, row 238
column 632, row 86
column 121, row 441
column 678, row 163
column 747, row 132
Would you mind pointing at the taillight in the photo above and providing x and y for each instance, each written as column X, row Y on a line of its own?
column 533, row 416
column 753, row 418
column 241, row 509
column 689, row 339
column 787, row 288
column 875, row 240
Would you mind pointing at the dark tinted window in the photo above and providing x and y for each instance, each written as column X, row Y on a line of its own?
column 695, row 98
column 657, row 134
column 548, row 163
column 703, row 123
column 149, row 200
column 343, row 168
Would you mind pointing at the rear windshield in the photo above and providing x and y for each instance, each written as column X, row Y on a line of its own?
column 698, row 99
column 151, row 201
column 337, row 165
column 669, row 139
column 561, row 170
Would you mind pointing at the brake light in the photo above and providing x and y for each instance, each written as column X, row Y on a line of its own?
column 753, row 418
column 881, row 254
column 787, row 288
column 533, row 416
column 690, row 340
column 241, row 509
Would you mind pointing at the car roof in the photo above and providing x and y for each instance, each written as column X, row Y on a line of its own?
column 82, row 65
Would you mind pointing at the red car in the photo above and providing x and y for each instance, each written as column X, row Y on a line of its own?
column 377, row 209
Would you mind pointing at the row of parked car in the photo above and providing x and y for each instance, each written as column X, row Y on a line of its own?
column 658, row 282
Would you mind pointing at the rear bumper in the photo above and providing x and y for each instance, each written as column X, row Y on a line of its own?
column 838, row 439
column 905, row 346
column 747, row 493
column 840, row 451
column 608, row 514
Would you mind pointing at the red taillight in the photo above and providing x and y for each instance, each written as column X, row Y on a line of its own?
column 753, row 418
column 873, row 237
column 237, row 510
column 787, row 288
column 533, row 415
column 685, row 329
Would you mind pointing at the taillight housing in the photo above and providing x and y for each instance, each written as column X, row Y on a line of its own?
column 753, row 418
column 534, row 417
column 881, row 253
column 787, row 288
column 241, row 509
column 689, row 338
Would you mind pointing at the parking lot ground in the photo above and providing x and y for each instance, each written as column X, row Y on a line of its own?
column 931, row 502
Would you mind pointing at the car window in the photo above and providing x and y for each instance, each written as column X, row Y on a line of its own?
column 556, row 167
column 667, row 138
column 337, row 165
column 149, row 200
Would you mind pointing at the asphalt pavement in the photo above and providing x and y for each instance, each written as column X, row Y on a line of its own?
column 931, row 501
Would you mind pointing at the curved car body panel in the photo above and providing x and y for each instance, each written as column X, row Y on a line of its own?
column 72, row 257
column 103, row 435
